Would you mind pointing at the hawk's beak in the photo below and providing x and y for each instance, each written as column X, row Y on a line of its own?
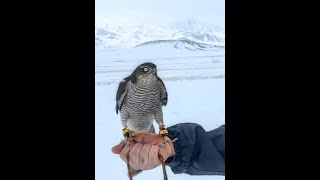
column 155, row 71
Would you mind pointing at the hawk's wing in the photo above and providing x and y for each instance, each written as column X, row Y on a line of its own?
column 121, row 94
column 163, row 93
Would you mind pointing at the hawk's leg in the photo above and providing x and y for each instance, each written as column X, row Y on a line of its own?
column 127, row 133
column 159, row 119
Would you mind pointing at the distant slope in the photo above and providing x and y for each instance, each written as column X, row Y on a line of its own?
column 183, row 44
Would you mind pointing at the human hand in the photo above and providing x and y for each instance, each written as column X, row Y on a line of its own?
column 144, row 150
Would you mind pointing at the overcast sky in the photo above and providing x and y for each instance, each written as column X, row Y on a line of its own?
column 159, row 11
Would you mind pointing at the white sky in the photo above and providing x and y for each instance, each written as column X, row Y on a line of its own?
column 159, row 11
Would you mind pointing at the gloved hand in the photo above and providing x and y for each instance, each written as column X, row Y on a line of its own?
column 144, row 149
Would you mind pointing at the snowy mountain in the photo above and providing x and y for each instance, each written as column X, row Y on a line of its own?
column 190, row 32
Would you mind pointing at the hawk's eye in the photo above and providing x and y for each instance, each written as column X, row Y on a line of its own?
column 145, row 69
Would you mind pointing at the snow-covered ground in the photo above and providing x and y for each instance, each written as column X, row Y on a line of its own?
column 195, row 82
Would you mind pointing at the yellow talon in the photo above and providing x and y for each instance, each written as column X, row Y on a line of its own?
column 163, row 132
column 126, row 132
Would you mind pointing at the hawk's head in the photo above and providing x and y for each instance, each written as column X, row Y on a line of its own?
column 146, row 72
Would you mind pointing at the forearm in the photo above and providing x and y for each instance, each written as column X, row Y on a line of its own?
column 197, row 152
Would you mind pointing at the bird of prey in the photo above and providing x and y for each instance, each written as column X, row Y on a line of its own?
column 140, row 98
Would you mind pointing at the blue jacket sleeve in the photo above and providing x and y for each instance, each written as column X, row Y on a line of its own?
column 197, row 152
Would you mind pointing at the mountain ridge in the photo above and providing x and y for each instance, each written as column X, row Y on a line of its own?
column 127, row 36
